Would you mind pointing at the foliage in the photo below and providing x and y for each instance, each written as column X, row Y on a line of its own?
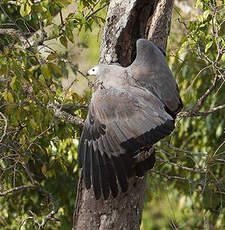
column 39, row 139
column 192, row 194
column 38, row 146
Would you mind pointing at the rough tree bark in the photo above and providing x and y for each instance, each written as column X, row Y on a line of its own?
column 127, row 20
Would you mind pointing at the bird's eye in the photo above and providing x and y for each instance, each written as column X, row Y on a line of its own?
column 93, row 70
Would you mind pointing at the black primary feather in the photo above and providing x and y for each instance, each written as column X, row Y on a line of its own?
column 95, row 173
column 110, row 174
column 104, row 178
column 87, row 166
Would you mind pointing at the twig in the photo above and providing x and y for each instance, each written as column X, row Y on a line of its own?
column 192, row 113
column 200, row 102
column 28, row 173
column 215, row 109
column 25, row 220
column 90, row 83
column 40, row 134
column 5, row 126
column 97, row 10
column 10, row 2
column 180, row 166
column 36, row 186
column 176, row 177
column 218, row 148
column 92, row 8
column 185, row 151
column 61, row 17
column 17, row 189
column 142, row 156
column 191, row 84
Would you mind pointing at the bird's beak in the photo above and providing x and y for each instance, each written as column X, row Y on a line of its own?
column 88, row 73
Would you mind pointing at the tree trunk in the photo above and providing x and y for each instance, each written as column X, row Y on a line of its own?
column 127, row 20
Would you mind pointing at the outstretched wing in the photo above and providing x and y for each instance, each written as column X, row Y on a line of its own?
column 152, row 72
column 118, row 125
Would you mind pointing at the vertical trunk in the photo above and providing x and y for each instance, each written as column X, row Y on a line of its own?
column 127, row 20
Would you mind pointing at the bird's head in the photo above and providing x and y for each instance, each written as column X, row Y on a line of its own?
column 104, row 71
column 94, row 70
column 101, row 71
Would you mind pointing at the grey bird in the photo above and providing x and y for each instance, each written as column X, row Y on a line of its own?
column 131, row 109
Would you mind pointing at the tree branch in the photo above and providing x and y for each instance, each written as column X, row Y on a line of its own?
column 96, row 11
column 179, row 166
column 10, row 2
column 64, row 115
column 169, row 177
column 192, row 113
column 18, row 189
column 14, row 33
column 200, row 101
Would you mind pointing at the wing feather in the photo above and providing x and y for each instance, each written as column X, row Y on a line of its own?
column 104, row 178
column 110, row 175
column 95, row 174
column 87, row 166
column 152, row 72
column 120, row 123
column 121, row 175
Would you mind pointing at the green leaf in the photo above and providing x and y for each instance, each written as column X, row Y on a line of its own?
column 3, row 70
column 33, row 68
column 198, row 3
column 206, row 14
column 45, row 71
column 28, row 9
column 64, row 41
column 41, row 79
column 80, row 6
column 208, row 45
column 22, row 10
column 52, row 56
column 219, row 130
column 80, row 17
column 69, row 32
column 15, row 84
column 55, row 69
column 25, row 9
column 9, row 97
column 55, row 30
column 33, row 123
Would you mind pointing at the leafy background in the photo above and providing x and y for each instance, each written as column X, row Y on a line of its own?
column 41, row 74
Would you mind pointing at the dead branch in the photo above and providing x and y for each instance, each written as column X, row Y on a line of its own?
column 197, row 170
column 200, row 101
column 64, row 115
column 17, row 189
column 192, row 113
column 14, row 33
column 169, row 177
